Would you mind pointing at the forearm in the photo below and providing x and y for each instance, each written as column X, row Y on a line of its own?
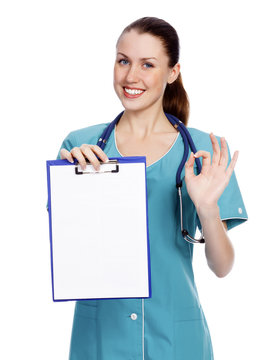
column 218, row 247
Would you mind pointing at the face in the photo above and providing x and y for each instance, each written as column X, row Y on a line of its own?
column 141, row 71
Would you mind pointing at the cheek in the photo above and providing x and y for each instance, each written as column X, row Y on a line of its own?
column 157, row 82
column 118, row 74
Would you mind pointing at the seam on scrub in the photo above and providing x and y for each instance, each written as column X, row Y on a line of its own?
column 143, row 328
column 235, row 217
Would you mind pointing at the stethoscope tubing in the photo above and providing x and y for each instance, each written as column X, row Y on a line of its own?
column 188, row 142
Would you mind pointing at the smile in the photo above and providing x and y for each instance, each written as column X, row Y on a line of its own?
column 132, row 93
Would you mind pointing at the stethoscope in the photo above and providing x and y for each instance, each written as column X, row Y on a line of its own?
column 187, row 142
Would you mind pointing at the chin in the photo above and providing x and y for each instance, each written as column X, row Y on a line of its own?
column 132, row 105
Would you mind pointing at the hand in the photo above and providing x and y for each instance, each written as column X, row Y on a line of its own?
column 83, row 151
column 206, row 188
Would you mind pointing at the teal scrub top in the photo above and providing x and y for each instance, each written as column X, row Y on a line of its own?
column 170, row 325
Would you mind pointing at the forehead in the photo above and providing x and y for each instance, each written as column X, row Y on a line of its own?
column 137, row 45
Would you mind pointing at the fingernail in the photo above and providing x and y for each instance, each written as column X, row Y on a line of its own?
column 107, row 160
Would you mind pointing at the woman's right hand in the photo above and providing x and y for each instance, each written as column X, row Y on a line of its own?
column 85, row 151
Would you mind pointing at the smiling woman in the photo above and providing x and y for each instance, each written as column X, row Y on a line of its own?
column 171, row 324
column 140, row 76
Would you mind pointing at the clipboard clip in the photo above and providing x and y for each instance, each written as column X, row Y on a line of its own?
column 116, row 170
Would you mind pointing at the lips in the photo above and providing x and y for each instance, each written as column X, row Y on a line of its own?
column 132, row 96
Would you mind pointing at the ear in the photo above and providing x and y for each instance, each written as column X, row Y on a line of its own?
column 174, row 72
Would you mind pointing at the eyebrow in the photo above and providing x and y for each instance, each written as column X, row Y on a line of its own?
column 119, row 53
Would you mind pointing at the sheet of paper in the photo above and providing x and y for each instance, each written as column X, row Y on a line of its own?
column 99, row 232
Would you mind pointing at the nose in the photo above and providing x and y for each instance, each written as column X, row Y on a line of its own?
column 132, row 74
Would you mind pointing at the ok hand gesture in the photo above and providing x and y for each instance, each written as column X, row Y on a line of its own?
column 206, row 188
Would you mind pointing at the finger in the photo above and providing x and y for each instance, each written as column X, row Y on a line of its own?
column 223, row 153
column 65, row 154
column 76, row 152
column 91, row 157
column 89, row 151
column 206, row 158
column 97, row 150
column 189, row 167
column 216, row 149
column 232, row 164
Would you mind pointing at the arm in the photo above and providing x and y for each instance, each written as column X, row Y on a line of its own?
column 225, row 224
column 205, row 190
column 218, row 247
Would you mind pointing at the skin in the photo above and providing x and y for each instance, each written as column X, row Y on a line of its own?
column 144, row 124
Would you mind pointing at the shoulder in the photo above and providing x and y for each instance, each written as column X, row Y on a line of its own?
column 87, row 135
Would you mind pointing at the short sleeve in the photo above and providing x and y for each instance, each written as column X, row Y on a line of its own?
column 231, row 204
column 68, row 143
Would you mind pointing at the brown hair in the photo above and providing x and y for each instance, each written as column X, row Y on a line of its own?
column 175, row 100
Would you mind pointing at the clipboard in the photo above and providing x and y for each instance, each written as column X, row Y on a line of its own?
column 98, row 225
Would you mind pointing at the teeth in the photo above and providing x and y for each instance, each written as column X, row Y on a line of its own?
column 133, row 92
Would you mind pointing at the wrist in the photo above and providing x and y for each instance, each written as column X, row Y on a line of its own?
column 207, row 211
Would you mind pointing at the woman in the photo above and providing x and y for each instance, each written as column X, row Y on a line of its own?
column 171, row 324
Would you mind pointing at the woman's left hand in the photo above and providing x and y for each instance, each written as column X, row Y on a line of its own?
column 206, row 188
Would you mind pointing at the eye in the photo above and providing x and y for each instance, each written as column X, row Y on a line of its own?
column 122, row 60
column 150, row 65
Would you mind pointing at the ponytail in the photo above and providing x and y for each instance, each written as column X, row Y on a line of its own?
column 175, row 100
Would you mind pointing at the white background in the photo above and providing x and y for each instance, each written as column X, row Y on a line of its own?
column 56, row 74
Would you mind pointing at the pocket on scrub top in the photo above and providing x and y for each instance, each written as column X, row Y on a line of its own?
column 86, row 308
column 83, row 340
column 191, row 335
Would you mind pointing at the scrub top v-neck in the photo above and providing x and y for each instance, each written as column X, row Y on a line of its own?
column 113, row 134
column 171, row 324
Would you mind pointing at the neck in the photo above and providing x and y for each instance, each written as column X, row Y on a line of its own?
column 144, row 123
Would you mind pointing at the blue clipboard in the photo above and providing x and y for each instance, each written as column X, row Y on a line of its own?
column 98, row 225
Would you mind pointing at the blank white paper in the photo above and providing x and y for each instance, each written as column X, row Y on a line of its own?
column 99, row 232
